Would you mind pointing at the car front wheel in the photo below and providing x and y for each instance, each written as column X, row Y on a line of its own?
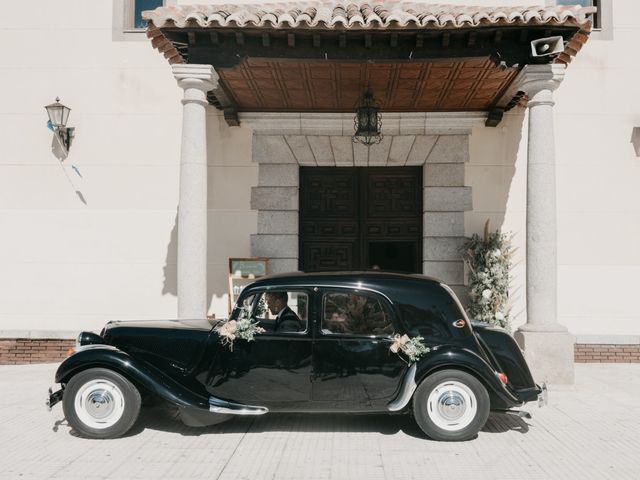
column 451, row 405
column 100, row 403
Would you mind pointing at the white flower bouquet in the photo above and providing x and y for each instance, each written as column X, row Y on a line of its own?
column 412, row 347
column 243, row 329
column 489, row 262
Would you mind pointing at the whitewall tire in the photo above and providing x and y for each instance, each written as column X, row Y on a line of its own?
column 451, row 405
column 100, row 403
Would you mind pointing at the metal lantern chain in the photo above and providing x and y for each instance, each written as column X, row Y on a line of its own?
column 368, row 121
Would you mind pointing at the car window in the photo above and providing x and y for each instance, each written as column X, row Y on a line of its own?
column 355, row 314
column 281, row 311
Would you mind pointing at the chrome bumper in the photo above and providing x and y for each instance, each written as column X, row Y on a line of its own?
column 53, row 398
column 543, row 396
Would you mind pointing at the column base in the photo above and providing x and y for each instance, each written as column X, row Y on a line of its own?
column 549, row 355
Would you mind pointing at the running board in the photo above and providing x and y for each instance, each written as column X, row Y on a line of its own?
column 217, row 405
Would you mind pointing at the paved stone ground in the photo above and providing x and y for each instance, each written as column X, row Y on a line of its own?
column 590, row 430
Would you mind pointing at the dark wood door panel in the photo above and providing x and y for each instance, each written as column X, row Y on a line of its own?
column 329, row 256
column 329, row 192
column 344, row 210
column 392, row 194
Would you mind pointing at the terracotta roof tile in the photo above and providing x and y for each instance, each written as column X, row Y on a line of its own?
column 360, row 14
column 354, row 15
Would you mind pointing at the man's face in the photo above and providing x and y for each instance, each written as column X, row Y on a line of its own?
column 273, row 303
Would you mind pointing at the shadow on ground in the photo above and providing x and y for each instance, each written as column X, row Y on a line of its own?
column 165, row 418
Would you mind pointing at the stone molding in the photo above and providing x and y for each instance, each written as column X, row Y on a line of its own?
column 340, row 151
column 341, row 124
column 204, row 73
column 52, row 334
column 196, row 81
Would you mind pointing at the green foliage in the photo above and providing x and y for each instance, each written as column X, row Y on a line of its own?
column 489, row 262
column 412, row 347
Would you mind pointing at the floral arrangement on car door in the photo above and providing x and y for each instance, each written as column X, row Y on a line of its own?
column 411, row 347
column 243, row 329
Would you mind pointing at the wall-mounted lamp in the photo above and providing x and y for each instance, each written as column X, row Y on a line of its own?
column 58, row 116
column 367, row 122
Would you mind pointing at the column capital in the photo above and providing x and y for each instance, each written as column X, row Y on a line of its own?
column 201, row 77
column 539, row 82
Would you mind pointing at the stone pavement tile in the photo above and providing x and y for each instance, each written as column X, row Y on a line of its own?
column 589, row 431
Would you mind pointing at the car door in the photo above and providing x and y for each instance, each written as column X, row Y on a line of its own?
column 353, row 368
column 273, row 370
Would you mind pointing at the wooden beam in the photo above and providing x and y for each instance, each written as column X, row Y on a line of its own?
column 342, row 40
column 367, row 40
column 497, row 37
column 446, row 39
column 291, row 39
column 266, row 40
column 419, row 40
column 192, row 38
column 215, row 39
column 393, row 41
column 494, row 117
column 231, row 117
column 239, row 38
column 472, row 39
column 316, row 40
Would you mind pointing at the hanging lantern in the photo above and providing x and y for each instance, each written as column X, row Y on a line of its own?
column 368, row 121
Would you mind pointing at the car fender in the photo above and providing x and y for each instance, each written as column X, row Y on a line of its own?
column 140, row 373
column 467, row 360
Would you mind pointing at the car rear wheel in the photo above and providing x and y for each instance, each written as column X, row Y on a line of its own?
column 451, row 405
column 100, row 403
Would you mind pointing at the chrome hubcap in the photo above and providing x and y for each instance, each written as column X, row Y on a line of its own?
column 452, row 405
column 99, row 403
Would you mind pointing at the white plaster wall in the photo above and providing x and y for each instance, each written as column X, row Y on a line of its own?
column 65, row 265
column 598, row 175
column 497, row 175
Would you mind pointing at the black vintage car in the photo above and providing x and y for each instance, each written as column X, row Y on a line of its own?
column 328, row 342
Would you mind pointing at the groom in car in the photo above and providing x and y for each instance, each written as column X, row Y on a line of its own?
column 286, row 319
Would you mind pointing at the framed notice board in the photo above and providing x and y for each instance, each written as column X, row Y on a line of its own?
column 242, row 272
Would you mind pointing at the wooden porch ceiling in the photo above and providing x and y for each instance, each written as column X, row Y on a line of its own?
column 302, row 58
column 446, row 85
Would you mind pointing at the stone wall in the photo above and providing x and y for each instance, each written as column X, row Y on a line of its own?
column 284, row 142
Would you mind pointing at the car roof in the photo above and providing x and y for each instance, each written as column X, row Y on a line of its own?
column 371, row 278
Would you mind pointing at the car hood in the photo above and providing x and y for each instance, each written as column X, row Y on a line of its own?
column 163, row 343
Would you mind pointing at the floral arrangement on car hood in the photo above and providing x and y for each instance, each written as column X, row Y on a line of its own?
column 489, row 262
column 243, row 329
column 412, row 347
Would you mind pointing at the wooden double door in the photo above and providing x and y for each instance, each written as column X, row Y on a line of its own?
column 359, row 218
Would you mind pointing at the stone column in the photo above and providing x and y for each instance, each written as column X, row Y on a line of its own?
column 196, row 81
column 548, row 345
